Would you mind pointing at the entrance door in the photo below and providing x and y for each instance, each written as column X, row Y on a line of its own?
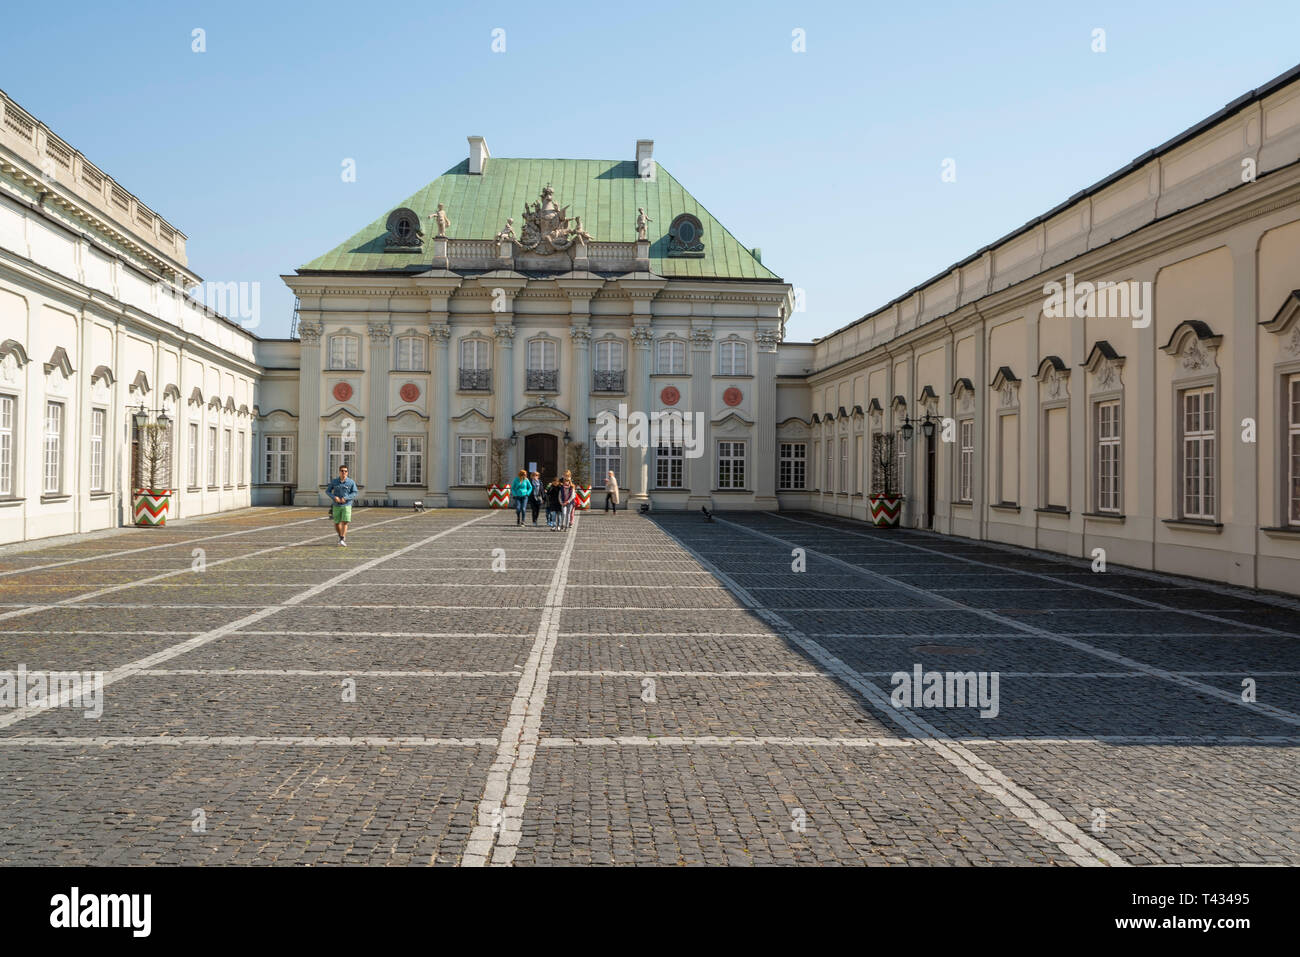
column 542, row 449
column 929, row 481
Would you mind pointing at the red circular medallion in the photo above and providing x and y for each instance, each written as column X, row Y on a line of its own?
column 409, row 392
column 732, row 396
column 343, row 392
column 670, row 395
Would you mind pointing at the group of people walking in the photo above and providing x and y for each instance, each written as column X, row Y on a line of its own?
column 560, row 496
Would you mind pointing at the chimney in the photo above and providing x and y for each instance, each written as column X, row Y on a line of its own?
column 645, row 163
column 478, row 155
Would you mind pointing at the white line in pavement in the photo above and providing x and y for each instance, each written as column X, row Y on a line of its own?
column 306, row 673
column 727, row 741
column 688, row 674
column 150, row 548
column 501, row 809
column 138, row 741
column 167, row 654
column 82, row 600
column 1268, row 710
column 1034, row 812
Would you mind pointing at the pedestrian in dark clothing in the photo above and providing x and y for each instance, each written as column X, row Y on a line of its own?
column 553, row 505
column 535, row 499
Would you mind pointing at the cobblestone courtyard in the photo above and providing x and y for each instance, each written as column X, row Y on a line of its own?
column 640, row 690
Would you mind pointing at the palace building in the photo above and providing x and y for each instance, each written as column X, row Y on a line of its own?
column 1120, row 374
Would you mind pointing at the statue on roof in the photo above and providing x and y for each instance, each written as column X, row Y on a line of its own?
column 579, row 233
column 507, row 231
column 642, row 224
column 546, row 226
column 444, row 224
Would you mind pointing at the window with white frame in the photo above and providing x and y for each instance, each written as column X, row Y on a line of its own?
column 344, row 352
column 53, row 476
column 475, row 354
column 212, row 456
column 844, row 465
column 609, row 366
column 669, row 466
column 1199, row 461
column 543, row 366
column 340, row 450
column 277, row 459
column 731, row 465
column 410, row 353
column 792, row 470
column 857, row 465
column 542, row 355
column 241, row 461
column 408, row 460
column 8, row 404
column 966, row 461
column 671, row 357
column 1108, row 456
column 97, row 419
column 472, row 462
column 606, row 459
column 225, row 457
column 828, row 473
column 732, row 356
column 1293, row 450
column 192, row 454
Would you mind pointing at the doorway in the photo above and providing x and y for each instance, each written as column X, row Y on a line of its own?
column 543, row 450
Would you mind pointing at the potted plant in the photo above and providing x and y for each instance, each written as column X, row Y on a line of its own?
column 152, row 497
column 580, row 466
column 499, row 490
column 885, row 503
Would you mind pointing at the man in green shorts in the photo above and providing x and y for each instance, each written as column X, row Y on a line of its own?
column 342, row 491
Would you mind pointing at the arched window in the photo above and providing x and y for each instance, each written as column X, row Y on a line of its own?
column 732, row 357
column 410, row 354
column 344, row 352
column 609, row 366
column 672, row 357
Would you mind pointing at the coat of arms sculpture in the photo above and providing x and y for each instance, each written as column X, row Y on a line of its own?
column 546, row 227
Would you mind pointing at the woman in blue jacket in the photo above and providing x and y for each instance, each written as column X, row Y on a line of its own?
column 520, row 489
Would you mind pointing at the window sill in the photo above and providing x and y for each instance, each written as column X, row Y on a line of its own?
column 670, row 375
column 1115, row 518
column 214, row 488
column 100, row 496
column 1053, row 510
column 731, row 491
column 54, row 497
column 409, row 371
column 1282, row 531
column 732, row 375
column 1194, row 524
column 1005, row 507
column 194, row 488
column 10, row 502
column 345, row 370
column 962, row 504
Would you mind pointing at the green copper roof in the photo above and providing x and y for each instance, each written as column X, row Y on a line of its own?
column 605, row 193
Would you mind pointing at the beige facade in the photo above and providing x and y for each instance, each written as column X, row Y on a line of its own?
column 1160, row 422
column 95, row 329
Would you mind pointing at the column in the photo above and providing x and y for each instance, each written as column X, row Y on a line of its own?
column 699, row 471
column 504, row 378
column 638, row 457
column 309, row 425
column 763, row 460
column 580, row 380
column 377, row 444
column 440, row 413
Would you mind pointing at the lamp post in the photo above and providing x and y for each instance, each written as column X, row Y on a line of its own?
column 927, row 426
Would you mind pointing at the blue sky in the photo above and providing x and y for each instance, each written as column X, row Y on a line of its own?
column 830, row 160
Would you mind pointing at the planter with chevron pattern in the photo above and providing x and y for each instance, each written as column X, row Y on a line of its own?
column 885, row 509
column 498, row 497
column 149, row 506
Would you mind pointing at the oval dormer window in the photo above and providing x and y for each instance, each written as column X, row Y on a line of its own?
column 686, row 236
column 403, row 230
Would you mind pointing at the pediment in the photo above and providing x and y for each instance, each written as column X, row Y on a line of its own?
column 59, row 360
